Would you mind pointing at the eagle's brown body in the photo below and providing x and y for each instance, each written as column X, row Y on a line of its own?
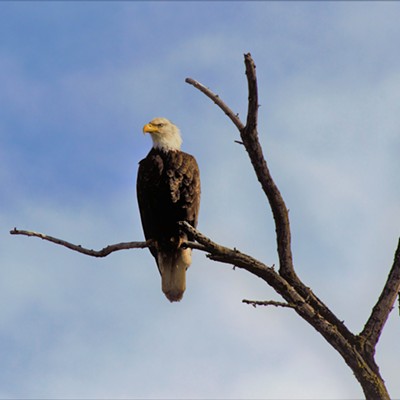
column 168, row 191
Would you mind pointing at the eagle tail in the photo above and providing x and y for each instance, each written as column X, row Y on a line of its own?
column 173, row 266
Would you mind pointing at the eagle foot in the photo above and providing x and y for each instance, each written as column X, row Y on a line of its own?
column 151, row 243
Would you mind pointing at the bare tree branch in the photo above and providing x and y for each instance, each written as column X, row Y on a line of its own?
column 227, row 255
column 332, row 332
column 237, row 258
column 380, row 313
column 215, row 98
column 97, row 253
column 94, row 253
column 252, row 144
column 249, row 136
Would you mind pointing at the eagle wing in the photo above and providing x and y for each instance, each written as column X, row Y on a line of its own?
column 168, row 191
column 184, row 185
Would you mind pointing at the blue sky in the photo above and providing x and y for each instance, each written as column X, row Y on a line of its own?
column 78, row 82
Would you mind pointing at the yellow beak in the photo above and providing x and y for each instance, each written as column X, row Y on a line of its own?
column 149, row 128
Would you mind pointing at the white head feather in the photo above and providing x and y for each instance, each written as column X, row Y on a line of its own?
column 165, row 135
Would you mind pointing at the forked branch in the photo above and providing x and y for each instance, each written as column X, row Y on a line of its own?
column 249, row 136
column 357, row 350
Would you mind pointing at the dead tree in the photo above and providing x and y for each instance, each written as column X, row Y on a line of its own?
column 357, row 350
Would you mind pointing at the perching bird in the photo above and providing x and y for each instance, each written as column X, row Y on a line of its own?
column 168, row 191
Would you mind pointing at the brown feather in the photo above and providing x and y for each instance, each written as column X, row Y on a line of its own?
column 168, row 191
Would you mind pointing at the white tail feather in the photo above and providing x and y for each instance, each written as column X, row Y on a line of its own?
column 173, row 266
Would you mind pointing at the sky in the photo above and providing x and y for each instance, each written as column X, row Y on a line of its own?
column 78, row 80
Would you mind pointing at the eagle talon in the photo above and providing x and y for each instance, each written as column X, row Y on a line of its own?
column 151, row 243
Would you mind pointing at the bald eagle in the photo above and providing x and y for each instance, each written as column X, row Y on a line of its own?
column 168, row 191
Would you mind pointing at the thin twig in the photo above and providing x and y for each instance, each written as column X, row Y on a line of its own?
column 94, row 253
column 215, row 98
column 97, row 253
column 256, row 303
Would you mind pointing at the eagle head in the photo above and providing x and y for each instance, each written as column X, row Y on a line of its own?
column 166, row 136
